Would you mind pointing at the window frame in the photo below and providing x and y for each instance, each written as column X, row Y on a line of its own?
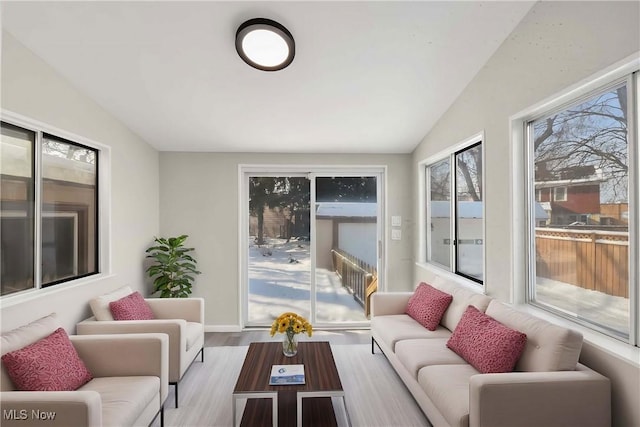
column 425, row 213
column 102, row 214
column 522, row 173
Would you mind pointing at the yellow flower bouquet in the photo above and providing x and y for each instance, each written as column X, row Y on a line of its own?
column 291, row 324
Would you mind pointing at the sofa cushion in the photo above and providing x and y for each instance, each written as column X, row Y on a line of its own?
column 462, row 298
column 100, row 305
column 22, row 337
column 124, row 398
column 549, row 347
column 448, row 388
column 28, row 334
column 427, row 305
column 49, row 364
column 416, row 354
column 485, row 343
column 395, row 327
column 131, row 307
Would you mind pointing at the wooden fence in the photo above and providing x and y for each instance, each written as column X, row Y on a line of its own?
column 358, row 277
column 591, row 259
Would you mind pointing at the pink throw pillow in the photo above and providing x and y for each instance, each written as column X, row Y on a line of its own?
column 427, row 305
column 50, row 364
column 131, row 307
column 488, row 345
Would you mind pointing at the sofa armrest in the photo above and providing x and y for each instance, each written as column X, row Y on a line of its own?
column 176, row 329
column 385, row 303
column 531, row 399
column 51, row 408
column 189, row 309
column 126, row 355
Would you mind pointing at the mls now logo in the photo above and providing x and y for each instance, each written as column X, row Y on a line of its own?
column 24, row 414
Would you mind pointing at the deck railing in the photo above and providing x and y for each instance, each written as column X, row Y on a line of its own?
column 358, row 277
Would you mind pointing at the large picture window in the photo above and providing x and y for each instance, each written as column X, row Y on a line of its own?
column 455, row 212
column 49, row 209
column 580, row 164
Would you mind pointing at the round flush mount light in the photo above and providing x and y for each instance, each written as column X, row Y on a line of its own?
column 265, row 44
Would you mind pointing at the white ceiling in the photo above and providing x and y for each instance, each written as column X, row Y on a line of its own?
column 368, row 77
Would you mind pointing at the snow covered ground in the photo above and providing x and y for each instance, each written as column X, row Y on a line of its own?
column 593, row 306
column 279, row 278
column 279, row 281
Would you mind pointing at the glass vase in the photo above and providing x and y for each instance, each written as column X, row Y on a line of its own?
column 290, row 344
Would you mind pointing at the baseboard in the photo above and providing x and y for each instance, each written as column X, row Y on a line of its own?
column 222, row 328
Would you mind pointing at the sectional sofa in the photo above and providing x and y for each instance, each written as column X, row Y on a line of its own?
column 547, row 387
column 128, row 386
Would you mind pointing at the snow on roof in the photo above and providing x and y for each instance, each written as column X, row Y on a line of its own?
column 541, row 212
column 441, row 209
column 360, row 210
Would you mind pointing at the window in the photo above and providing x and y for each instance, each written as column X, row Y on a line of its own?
column 560, row 194
column 456, row 242
column 17, row 188
column 49, row 209
column 579, row 261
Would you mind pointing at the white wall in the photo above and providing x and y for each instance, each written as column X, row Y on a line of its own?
column 33, row 89
column 556, row 45
column 199, row 197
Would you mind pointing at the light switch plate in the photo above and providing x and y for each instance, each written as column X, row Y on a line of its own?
column 396, row 221
column 396, row 234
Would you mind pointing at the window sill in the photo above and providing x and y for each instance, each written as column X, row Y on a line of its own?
column 611, row 346
column 32, row 294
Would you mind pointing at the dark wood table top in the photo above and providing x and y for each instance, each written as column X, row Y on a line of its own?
column 320, row 369
column 321, row 375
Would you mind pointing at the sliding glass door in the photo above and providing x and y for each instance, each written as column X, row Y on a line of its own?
column 312, row 245
column 346, row 219
column 279, row 255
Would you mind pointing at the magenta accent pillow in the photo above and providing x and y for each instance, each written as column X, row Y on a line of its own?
column 488, row 345
column 427, row 305
column 50, row 364
column 131, row 307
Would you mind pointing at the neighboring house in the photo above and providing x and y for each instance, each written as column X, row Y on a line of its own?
column 570, row 195
column 470, row 225
column 470, row 222
column 351, row 227
column 280, row 223
column 68, row 218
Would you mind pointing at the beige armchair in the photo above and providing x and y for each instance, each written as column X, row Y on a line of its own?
column 124, row 391
column 182, row 319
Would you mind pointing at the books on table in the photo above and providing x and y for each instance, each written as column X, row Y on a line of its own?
column 286, row 374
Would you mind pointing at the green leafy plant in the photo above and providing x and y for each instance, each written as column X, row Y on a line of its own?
column 174, row 269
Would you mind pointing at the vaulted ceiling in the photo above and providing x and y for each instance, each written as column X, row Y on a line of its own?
column 368, row 77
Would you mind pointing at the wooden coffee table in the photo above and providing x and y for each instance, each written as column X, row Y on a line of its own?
column 283, row 404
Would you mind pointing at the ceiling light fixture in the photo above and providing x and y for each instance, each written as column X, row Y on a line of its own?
column 265, row 44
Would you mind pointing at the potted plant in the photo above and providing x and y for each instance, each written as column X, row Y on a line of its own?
column 174, row 269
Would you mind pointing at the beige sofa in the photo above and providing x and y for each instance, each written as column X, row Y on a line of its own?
column 124, row 391
column 182, row 319
column 547, row 388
